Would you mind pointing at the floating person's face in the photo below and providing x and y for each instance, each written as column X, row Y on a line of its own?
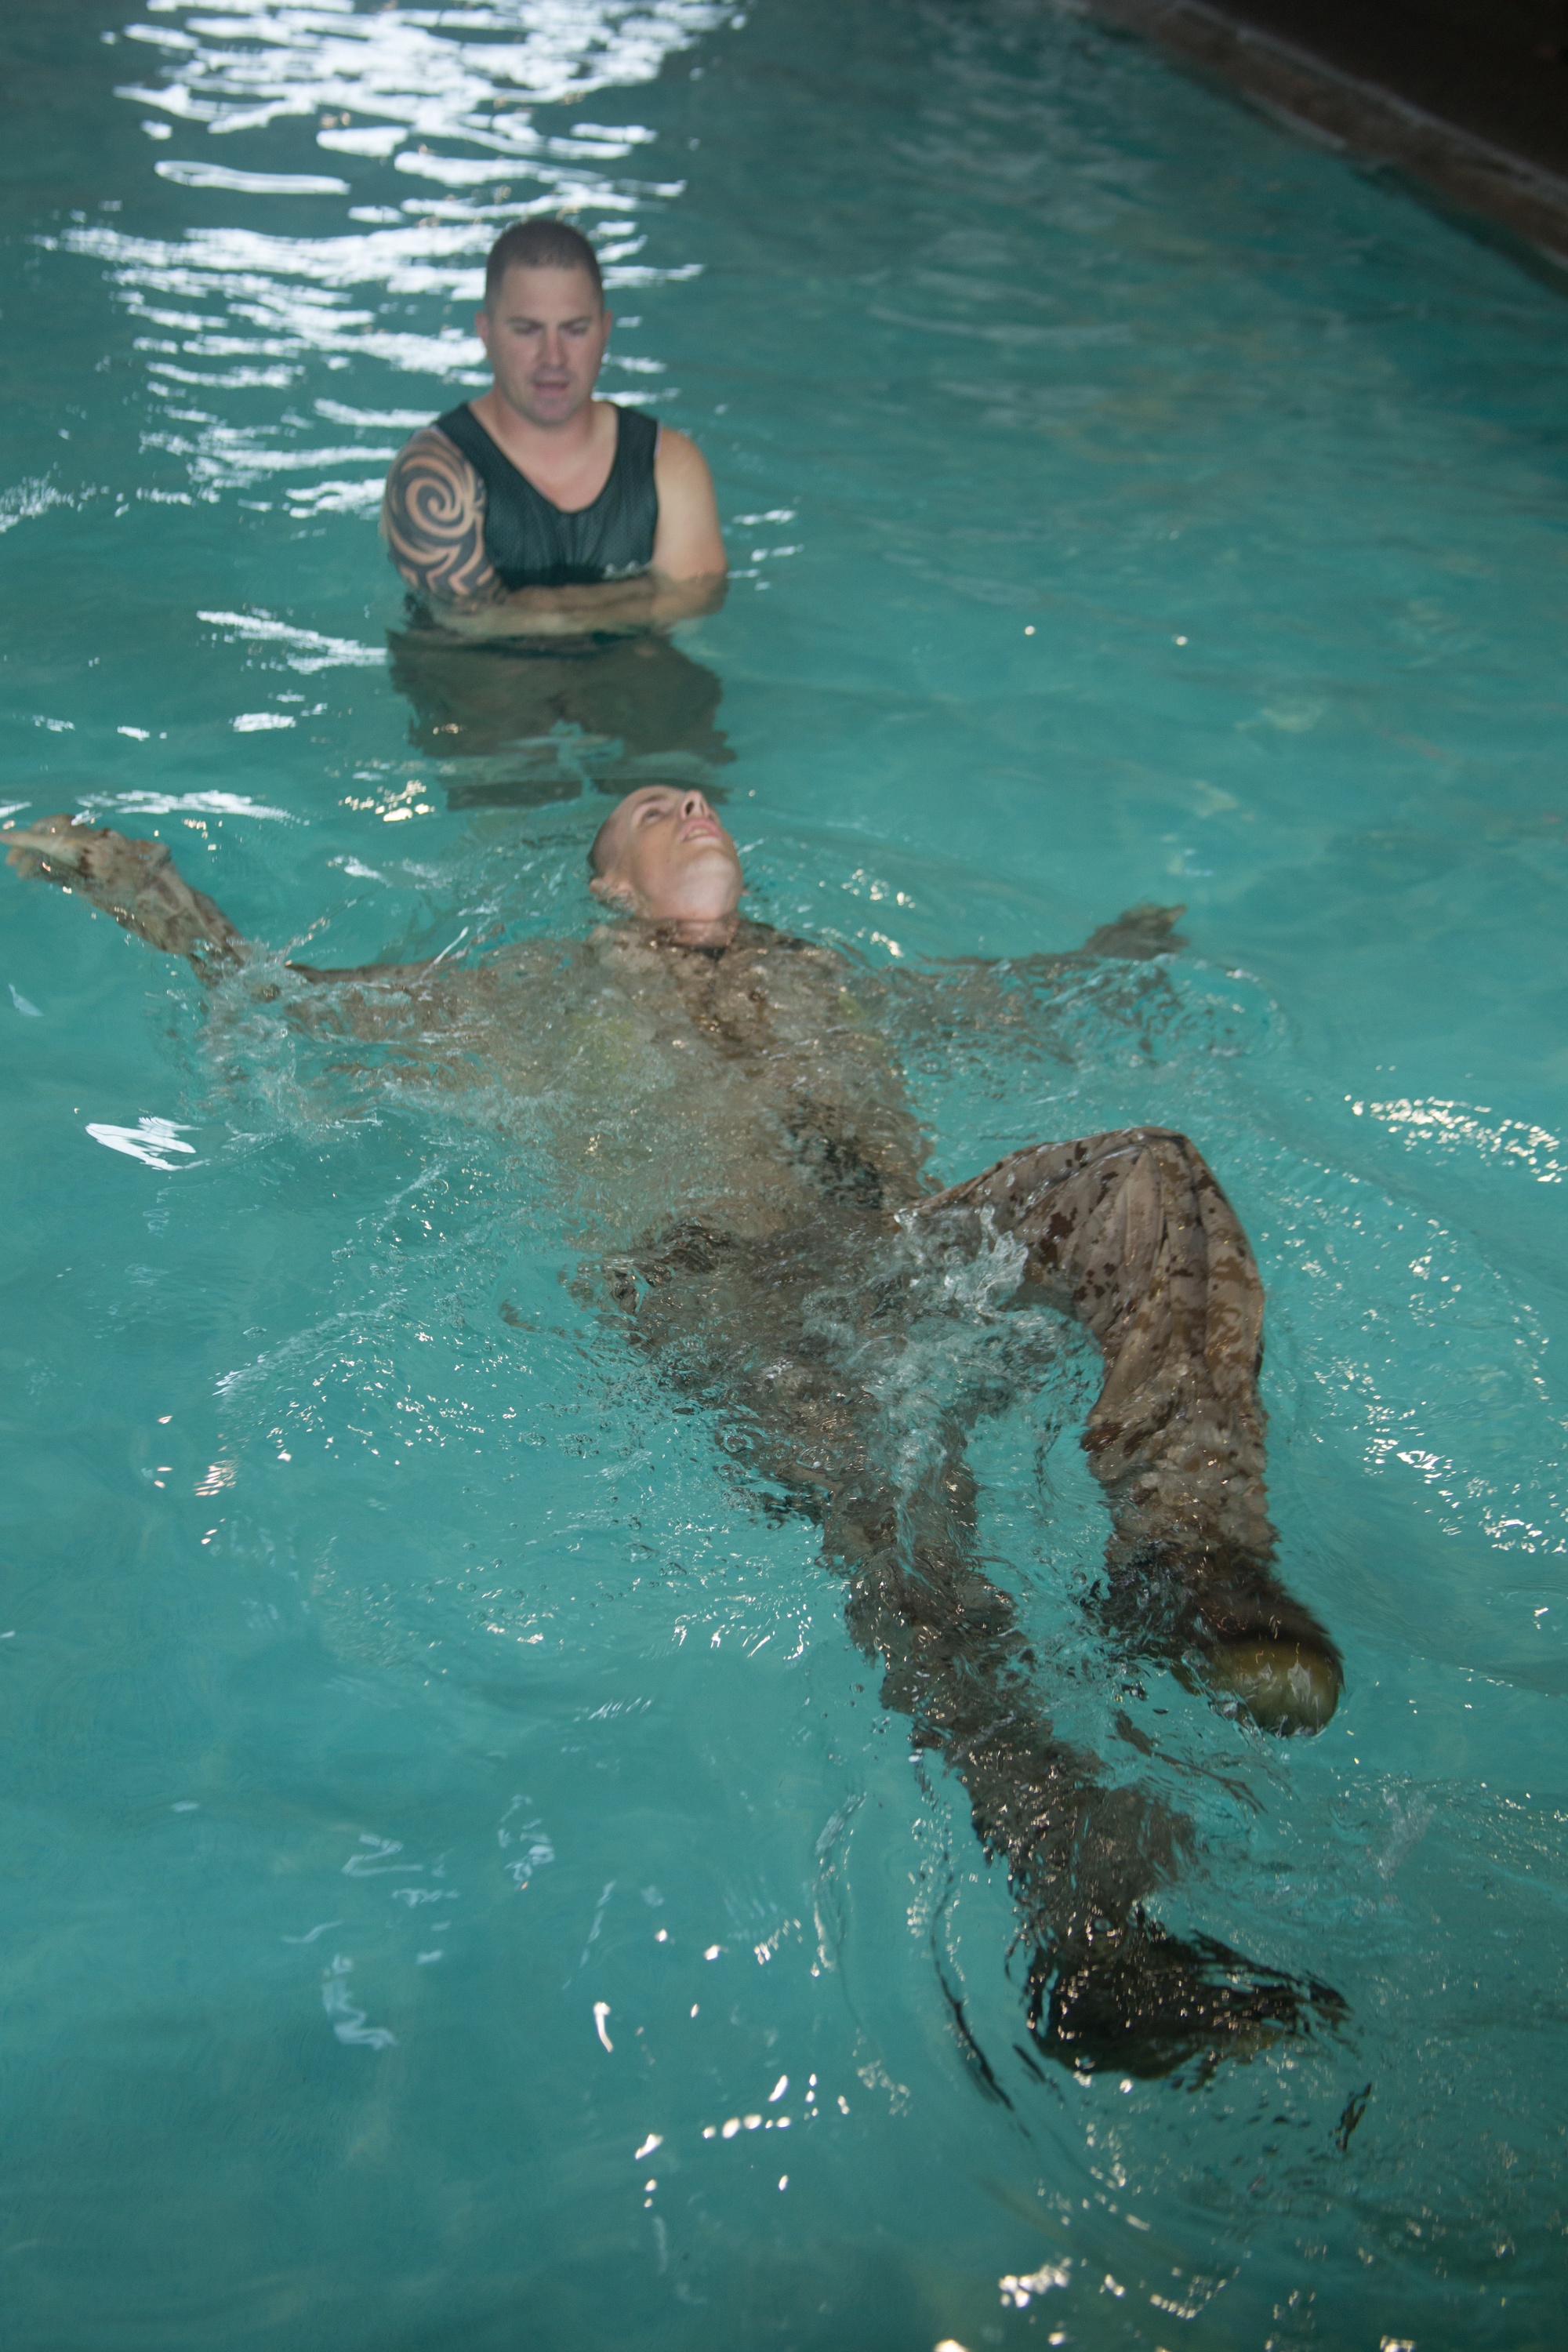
column 545, row 336
column 664, row 855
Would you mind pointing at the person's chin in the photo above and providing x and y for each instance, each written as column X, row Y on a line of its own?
column 714, row 905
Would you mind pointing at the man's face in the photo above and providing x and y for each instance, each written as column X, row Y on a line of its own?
column 667, row 857
column 545, row 336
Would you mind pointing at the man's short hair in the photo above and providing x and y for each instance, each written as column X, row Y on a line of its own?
column 599, row 845
column 539, row 245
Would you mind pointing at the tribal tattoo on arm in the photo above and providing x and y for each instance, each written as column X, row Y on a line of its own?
column 433, row 519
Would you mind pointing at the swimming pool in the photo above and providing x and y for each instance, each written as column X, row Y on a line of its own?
column 438, row 1793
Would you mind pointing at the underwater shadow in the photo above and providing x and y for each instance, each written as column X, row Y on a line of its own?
column 520, row 725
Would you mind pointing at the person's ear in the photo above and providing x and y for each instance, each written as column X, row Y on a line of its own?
column 614, row 890
column 482, row 326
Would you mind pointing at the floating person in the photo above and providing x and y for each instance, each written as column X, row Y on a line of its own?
column 550, row 539
column 735, row 1153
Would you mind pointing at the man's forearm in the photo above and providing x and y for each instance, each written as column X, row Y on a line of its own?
column 137, row 882
column 605, row 607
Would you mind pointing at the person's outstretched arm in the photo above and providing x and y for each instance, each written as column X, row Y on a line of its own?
column 1138, row 935
column 1001, row 993
column 442, row 1019
column 137, row 882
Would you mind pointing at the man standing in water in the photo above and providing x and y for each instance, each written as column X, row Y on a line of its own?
column 735, row 1146
column 539, row 510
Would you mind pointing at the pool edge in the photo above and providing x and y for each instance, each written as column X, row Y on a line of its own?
column 1485, row 189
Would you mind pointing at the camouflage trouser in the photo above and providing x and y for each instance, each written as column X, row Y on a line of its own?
column 789, row 1339
column 1130, row 1233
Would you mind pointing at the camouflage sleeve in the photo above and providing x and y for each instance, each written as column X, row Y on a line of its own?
column 433, row 519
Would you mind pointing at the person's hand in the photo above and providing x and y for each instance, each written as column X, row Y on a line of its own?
column 34, row 850
column 136, row 882
column 1139, row 934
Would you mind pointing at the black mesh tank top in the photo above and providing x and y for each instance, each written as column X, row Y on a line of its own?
column 533, row 544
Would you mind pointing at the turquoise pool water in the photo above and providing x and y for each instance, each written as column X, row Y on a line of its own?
column 437, row 1790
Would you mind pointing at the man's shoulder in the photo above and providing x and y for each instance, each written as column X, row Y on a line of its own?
column 690, row 544
column 678, row 459
column 432, row 519
column 429, row 445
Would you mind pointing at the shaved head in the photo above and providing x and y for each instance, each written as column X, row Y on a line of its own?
column 541, row 244
column 662, row 854
column 597, row 847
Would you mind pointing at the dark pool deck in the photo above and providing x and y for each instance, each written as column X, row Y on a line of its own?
column 1466, row 98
